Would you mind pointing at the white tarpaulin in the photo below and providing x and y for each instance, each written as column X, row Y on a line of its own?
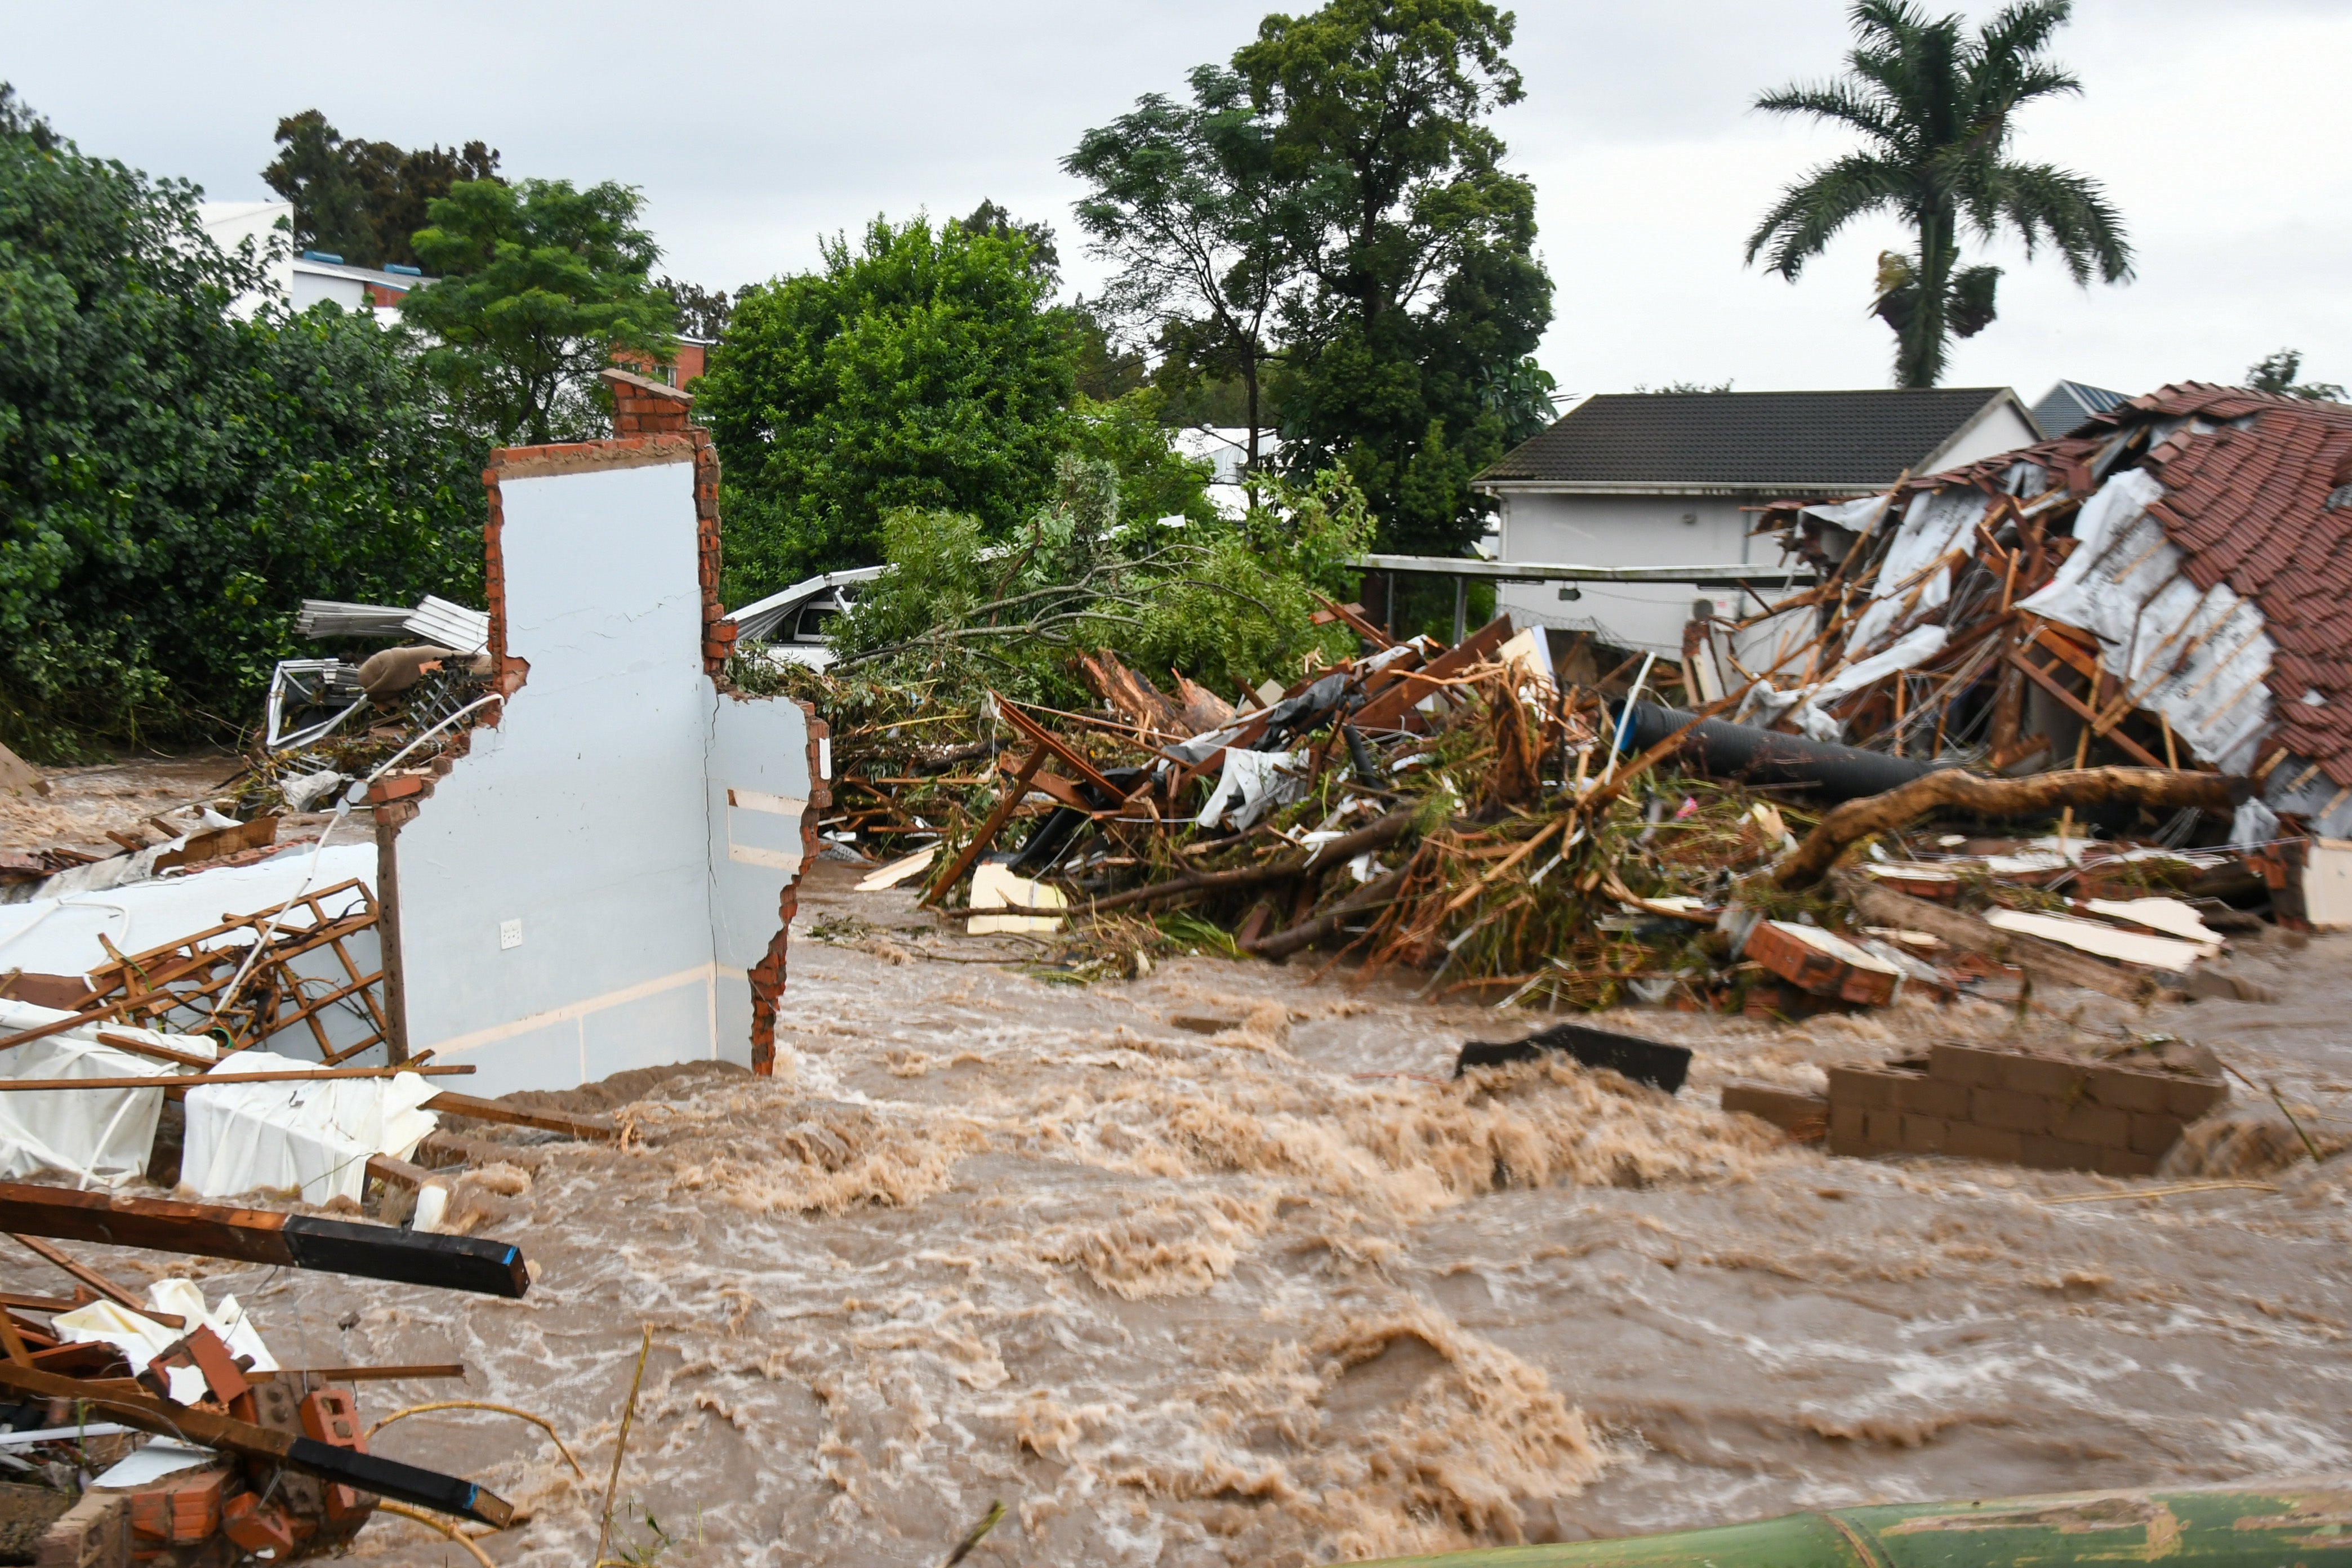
column 141, row 1339
column 1253, row 784
column 315, row 1136
column 2198, row 657
column 1932, row 526
column 100, row 1136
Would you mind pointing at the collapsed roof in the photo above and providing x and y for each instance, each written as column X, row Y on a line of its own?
column 2197, row 544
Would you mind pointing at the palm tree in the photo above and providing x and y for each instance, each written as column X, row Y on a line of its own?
column 1936, row 108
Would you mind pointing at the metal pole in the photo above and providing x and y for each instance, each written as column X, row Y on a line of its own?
column 1461, row 608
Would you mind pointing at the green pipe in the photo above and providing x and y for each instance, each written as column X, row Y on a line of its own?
column 2301, row 1525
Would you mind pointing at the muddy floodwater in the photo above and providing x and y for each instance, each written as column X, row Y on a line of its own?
column 1283, row 1293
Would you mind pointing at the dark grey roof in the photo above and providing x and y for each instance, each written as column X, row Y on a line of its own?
column 1826, row 440
column 2065, row 407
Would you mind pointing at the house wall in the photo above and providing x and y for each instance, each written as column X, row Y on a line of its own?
column 596, row 811
column 306, row 287
column 2000, row 429
column 1627, row 531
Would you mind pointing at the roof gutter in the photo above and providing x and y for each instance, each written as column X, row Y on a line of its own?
column 1716, row 574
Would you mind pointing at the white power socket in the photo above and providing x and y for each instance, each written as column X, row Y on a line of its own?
column 509, row 934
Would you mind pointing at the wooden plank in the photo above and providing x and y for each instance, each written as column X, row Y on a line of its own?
column 499, row 1111
column 1389, row 707
column 1077, row 761
column 310, row 1375
column 2049, row 683
column 989, row 829
column 206, row 1080
column 134, row 1406
column 261, row 1235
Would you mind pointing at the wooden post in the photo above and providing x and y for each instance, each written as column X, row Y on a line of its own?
column 989, row 829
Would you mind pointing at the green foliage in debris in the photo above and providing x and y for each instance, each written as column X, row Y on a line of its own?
column 1228, row 604
column 542, row 285
column 175, row 480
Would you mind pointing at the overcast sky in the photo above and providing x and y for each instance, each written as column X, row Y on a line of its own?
column 752, row 129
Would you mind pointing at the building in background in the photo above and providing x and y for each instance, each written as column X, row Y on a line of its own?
column 1674, row 480
column 2067, row 406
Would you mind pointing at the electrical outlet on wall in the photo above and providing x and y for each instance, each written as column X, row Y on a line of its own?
column 509, row 934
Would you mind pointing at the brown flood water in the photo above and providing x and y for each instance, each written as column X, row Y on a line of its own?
column 1182, row 1300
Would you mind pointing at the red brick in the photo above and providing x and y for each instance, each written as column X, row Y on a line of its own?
column 2152, row 1134
column 2094, row 1124
column 2009, row 1109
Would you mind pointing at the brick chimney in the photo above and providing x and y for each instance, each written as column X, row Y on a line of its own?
column 642, row 407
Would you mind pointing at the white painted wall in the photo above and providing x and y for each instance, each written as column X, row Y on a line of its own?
column 1627, row 531
column 2004, row 428
column 594, row 811
column 309, row 284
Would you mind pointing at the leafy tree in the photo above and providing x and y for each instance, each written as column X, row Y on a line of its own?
column 701, row 313
column 1937, row 110
column 173, row 480
column 1186, row 202
column 2276, row 373
column 919, row 370
column 363, row 200
column 540, row 283
column 1409, row 351
column 1044, row 253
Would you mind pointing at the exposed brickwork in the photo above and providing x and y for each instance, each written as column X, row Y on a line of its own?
column 767, row 975
column 2045, row 1112
column 718, row 631
column 642, row 407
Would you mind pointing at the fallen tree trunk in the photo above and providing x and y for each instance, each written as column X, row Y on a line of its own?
column 2045, row 962
column 1373, row 835
column 1307, row 933
column 2082, row 789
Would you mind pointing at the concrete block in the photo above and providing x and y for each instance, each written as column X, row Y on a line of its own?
column 2044, row 1075
column 1871, row 1088
column 1972, row 1141
column 1845, row 1122
column 2094, row 1124
column 2190, row 1098
column 1925, row 1134
column 1791, row 1110
column 2010, row 1110
column 1852, row 1148
column 2039, row 1152
column 2153, row 1135
column 1883, row 1128
column 1965, row 1065
column 2126, row 1163
column 2128, row 1091
column 1932, row 1096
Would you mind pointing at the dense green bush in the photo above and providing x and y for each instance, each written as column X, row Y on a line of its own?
column 173, row 480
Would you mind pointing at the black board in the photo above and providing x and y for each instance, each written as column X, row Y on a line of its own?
column 1644, row 1061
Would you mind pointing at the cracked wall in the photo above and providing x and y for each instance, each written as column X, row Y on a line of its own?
column 602, row 881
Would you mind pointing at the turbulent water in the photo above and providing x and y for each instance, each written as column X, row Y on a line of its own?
column 1284, row 1294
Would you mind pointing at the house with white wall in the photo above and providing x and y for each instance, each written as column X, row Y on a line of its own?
column 1672, row 479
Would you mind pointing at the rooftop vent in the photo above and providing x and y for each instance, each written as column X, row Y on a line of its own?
column 327, row 256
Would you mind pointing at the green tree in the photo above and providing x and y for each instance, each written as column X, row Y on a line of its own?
column 1185, row 202
column 2276, row 373
column 540, row 283
column 363, row 200
column 1937, row 110
column 919, row 370
column 1407, row 354
column 173, row 480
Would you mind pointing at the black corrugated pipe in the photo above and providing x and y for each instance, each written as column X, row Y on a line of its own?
column 1747, row 754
